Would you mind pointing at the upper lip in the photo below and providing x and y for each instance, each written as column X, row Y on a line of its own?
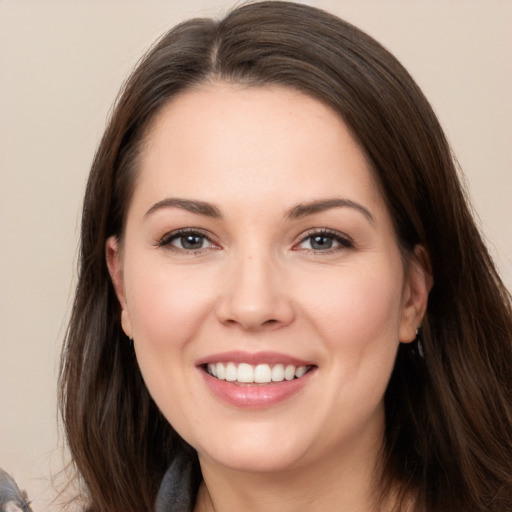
column 253, row 358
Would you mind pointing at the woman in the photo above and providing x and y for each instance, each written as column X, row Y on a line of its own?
column 271, row 215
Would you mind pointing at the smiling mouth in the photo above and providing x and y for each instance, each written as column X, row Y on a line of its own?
column 244, row 373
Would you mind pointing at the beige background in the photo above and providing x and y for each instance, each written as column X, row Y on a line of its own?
column 61, row 65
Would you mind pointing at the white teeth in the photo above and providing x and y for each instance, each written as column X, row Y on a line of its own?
column 212, row 368
column 278, row 373
column 245, row 373
column 289, row 372
column 260, row 374
column 231, row 373
column 221, row 371
column 300, row 371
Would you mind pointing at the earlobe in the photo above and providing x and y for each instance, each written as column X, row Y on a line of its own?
column 417, row 287
column 113, row 256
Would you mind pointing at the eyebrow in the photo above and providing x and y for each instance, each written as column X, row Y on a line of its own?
column 304, row 209
column 191, row 205
column 296, row 212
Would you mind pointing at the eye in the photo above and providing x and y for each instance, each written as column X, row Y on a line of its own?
column 186, row 240
column 324, row 241
column 190, row 242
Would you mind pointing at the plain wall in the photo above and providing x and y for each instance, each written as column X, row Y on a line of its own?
column 61, row 65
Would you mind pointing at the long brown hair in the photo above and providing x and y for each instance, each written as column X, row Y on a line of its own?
column 448, row 405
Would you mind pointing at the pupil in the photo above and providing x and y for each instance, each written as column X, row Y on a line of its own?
column 321, row 242
column 191, row 242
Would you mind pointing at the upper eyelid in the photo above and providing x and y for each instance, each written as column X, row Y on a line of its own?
column 324, row 231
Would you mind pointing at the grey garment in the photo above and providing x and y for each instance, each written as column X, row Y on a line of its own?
column 11, row 498
column 176, row 490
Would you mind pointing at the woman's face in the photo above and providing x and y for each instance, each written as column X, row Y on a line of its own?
column 258, row 249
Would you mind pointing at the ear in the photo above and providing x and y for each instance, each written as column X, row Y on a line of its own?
column 115, row 269
column 417, row 285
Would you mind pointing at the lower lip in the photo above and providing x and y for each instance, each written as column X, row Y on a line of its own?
column 255, row 396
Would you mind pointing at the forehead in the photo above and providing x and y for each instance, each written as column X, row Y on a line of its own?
column 226, row 140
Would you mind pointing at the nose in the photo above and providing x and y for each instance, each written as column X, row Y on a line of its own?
column 254, row 295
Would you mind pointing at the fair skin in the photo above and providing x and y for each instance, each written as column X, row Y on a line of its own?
column 289, row 257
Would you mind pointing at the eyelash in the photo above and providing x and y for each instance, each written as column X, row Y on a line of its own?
column 343, row 241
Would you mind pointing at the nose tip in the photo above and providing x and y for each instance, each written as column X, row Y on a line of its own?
column 253, row 319
column 255, row 298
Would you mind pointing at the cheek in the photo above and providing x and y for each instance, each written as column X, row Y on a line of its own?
column 165, row 304
column 356, row 302
column 357, row 314
column 168, row 308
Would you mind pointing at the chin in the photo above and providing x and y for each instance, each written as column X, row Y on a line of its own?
column 261, row 460
column 251, row 448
